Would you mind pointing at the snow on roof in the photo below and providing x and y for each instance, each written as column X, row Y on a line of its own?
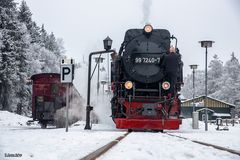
column 221, row 114
column 202, row 109
column 232, row 105
column 44, row 74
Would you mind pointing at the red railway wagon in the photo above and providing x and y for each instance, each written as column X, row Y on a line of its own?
column 48, row 95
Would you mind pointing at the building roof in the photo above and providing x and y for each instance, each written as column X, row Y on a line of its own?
column 210, row 101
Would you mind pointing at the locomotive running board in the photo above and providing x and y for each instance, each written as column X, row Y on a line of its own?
column 169, row 124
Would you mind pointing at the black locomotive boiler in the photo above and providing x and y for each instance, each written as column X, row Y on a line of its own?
column 146, row 78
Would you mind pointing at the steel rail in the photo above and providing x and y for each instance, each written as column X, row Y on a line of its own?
column 208, row 144
column 102, row 150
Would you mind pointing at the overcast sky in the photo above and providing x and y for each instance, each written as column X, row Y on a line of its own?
column 84, row 24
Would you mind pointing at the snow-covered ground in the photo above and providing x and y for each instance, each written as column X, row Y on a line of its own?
column 159, row 146
column 54, row 144
column 50, row 144
column 155, row 146
column 229, row 139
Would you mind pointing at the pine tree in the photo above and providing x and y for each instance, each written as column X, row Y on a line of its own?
column 35, row 33
column 10, row 4
column 187, row 90
column 223, row 80
column 25, row 49
column 230, row 81
column 43, row 36
column 232, row 67
column 25, row 16
column 51, row 43
column 14, row 42
column 8, row 70
column 22, row 90
column 215, row 75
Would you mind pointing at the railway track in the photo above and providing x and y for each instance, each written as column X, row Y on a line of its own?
column 101, row 151
column 208, row 144
column 97, row 153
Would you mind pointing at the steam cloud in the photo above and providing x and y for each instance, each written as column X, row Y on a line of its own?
column 76, row 111
column 146, row 10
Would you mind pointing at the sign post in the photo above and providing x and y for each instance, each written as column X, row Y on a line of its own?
column 67, row 75
column 67, row 107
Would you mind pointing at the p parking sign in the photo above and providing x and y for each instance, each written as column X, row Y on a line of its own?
column 67, row 71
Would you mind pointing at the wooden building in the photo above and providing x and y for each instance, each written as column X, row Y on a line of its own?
column 217, row 108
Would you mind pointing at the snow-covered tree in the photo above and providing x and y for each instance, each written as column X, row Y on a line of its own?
column 13, row 56
column 215, row 75
column 229, row 90
column 25, row 16
column 43, row 36
column 223, row 80
column 10, row 4
column 232, row 67
column 25, row 49
column 187, row 90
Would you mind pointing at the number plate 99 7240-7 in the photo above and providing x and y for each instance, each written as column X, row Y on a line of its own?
column 148, row 60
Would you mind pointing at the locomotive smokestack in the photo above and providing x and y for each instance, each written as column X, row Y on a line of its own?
column 146, row 11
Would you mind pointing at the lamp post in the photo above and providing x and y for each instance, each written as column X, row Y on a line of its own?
column 206, row 44
column 193, row 67
column 107, row 46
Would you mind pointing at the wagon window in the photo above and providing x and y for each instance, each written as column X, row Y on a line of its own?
column 59, row 102
column 54, row 88
column 39, row 103
column 40, row 98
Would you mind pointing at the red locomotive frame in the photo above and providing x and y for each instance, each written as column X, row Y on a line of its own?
column 134, row 120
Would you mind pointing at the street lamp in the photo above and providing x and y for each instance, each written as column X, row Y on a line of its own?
column 206, row 44
column 193, row 67
column 107, row 43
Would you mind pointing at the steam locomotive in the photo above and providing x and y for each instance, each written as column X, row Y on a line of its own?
column 146, row 78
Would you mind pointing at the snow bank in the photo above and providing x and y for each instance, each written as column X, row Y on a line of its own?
column 12, row 119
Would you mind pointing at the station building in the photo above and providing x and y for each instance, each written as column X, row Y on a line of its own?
column 216, row 108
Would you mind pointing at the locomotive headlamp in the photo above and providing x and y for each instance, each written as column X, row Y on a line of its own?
column 128, row 85
column 148, row 28
column 165, row 85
